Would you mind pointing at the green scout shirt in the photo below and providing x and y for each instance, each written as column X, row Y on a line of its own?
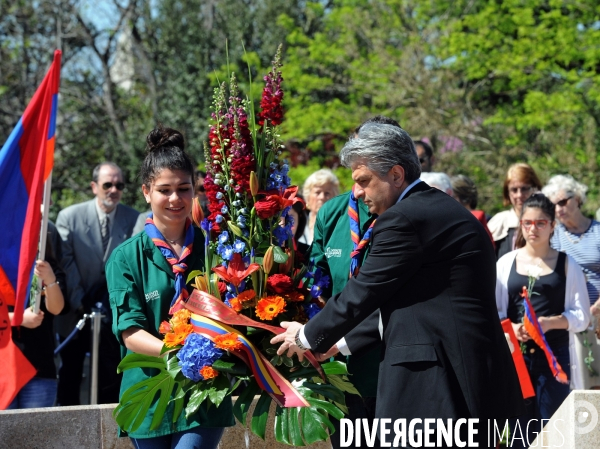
column 330, row 251
column 141, row 285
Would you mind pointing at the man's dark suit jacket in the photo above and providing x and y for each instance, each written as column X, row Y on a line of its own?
column 431, row 271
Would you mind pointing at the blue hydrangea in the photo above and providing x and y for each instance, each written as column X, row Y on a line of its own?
column 311, row 310
column 197, row 352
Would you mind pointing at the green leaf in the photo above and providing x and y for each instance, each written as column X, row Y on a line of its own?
column 334, row 367
column 314, row 425
column 326, row 406
column 242, row 405
column 219, row 389
column 136, row 401
column 281, row 435
column 304, row 372
column 236, row 367
column 134, row 360
column 293, row 426
column 260, row 415
column 287, row 361
column 192, row 275
column 279, row 255
column 342, row 384
column 200, row 394
column 327, row 390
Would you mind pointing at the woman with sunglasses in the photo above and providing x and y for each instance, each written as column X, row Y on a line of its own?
column 145, row 280
column 579, row 237
column 560, row 302
column 520, row 182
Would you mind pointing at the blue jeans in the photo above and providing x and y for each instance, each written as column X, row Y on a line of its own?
column 196, row 438
column 549, row 394
column 36, row 393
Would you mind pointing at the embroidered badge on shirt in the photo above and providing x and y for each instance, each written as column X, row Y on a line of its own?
column 152, row 295
column 331, row 252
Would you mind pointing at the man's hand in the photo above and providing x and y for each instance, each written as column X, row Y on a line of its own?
column 326, row 356
column 289, row 340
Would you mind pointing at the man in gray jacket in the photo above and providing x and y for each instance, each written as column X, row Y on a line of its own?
column 89, row 232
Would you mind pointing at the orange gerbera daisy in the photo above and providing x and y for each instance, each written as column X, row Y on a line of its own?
column 236, row 304
column 208, row 372
column 179, row 334
column 269, row 307
column 228, row 341
column 247, row 295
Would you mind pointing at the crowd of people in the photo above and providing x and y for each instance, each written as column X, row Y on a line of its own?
column 445, row 256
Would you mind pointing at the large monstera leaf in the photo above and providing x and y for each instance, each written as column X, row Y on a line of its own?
column 300, row 426
column 136, row 400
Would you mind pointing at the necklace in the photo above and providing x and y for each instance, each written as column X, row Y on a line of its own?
column 578, row 239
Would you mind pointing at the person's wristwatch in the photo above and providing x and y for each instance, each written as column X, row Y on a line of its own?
column 298, row 341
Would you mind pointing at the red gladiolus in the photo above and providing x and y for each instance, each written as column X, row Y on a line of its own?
column 272, row 97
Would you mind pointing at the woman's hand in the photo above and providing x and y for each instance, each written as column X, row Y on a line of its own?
column 520, row 332
column 44, row 271
column 32, row 320
column 595, row 309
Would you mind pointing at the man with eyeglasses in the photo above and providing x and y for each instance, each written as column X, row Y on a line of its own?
column 89, row 232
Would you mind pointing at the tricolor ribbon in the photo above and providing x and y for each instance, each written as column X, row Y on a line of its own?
column 211, row 317
column 533, row 328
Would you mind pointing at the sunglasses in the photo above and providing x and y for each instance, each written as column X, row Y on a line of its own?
column 110, row 185
column 563, row 202
column 539, row 224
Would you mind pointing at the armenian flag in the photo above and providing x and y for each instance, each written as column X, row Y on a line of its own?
column 26, row 160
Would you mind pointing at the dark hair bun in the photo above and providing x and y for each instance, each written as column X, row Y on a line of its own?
column 161, row 137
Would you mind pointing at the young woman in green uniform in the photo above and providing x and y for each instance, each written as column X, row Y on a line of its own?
column 146, row 276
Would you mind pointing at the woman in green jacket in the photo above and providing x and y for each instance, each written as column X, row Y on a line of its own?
column 146, row 277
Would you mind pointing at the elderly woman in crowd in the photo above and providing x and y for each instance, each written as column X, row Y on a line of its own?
column 579, row 237
column 521, row 181
column 318, row 188
column 465, row 192
column 438, row 180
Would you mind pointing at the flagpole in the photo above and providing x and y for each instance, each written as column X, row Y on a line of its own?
column 43, row 237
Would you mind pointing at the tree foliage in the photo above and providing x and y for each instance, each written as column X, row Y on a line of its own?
column 487, row 82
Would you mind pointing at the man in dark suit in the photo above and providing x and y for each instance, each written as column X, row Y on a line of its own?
column 431, row 272
column 90, row 231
